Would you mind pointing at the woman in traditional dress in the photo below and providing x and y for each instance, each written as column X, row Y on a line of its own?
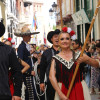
column 62, row 69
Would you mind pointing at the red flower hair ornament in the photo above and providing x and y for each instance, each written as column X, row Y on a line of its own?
column 70, row 31
column 12, row 41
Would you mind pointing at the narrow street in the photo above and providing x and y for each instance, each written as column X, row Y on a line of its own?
column 95, row 97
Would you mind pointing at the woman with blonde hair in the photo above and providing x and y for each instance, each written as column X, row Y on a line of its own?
column 63, row 66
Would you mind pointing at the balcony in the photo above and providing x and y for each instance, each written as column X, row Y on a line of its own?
column 27, row 2
column 67, row 18
column 11, row 16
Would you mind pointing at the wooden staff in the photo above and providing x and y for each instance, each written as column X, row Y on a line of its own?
column 60, row 4
column 89, row 31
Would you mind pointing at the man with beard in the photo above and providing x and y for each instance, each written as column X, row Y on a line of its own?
column 46, row 62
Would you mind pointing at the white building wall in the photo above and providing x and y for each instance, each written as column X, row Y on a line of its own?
column 68, row 6
column 97, row 21
column 3, row 16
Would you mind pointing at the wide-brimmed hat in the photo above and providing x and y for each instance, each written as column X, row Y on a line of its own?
column 51, row 34
column 2, row 29
column 25, row 31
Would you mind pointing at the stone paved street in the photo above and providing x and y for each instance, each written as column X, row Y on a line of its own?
column 95, row 97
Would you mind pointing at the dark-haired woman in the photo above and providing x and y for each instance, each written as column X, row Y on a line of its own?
column 62, row 69
column 25, row 68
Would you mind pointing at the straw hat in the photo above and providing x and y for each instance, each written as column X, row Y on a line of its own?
column 25, row 31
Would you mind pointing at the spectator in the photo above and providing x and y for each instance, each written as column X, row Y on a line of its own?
column 77, row 45
column 9, row 59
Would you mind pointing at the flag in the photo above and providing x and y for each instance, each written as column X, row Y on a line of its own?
column 34, row 23
column 44, row 38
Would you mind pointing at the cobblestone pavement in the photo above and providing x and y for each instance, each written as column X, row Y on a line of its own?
column 95, row 97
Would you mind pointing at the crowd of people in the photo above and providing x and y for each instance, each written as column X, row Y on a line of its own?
column 33, row 72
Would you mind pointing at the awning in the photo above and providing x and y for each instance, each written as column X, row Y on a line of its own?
column 80, row 17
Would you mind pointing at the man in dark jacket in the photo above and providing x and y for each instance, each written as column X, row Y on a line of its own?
column 8, row 59
column 24, row 54
column 46, row 63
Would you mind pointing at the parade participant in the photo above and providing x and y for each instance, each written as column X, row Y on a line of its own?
column 76, row 45
column 24, row 64
column 62, row 69
column 24, row 54
column 7, row 42
column 46, row 62
column 9, row 59
column 33, row 54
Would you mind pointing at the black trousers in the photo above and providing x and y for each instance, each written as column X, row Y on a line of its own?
column 50, row 91
column 99, row 81
column 30, row 92
column 4, row 97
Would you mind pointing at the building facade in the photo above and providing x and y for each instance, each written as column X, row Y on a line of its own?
column 38, row 21
column 3, row 16
column 89, row 7
column 78, row 15
column 12, row 19
column 68, row 8
column 97, row 21
column 82, row 17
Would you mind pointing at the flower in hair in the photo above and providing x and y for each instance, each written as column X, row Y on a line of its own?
column 12, row 41
column 64, row 29
column 70, row 31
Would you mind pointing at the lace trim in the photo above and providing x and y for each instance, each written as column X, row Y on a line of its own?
column 68, row 64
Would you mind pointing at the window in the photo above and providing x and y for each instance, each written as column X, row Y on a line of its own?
column 86, row 29
column 77, row 5
column 79, row 32
column 87, row 4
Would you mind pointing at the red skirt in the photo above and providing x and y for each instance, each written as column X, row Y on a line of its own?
column 79, row 91
column 11, row 84
column 76, row 93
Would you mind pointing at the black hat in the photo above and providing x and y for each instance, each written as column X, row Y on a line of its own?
column 57, row 31
column 51, row 34
column 2, row 29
